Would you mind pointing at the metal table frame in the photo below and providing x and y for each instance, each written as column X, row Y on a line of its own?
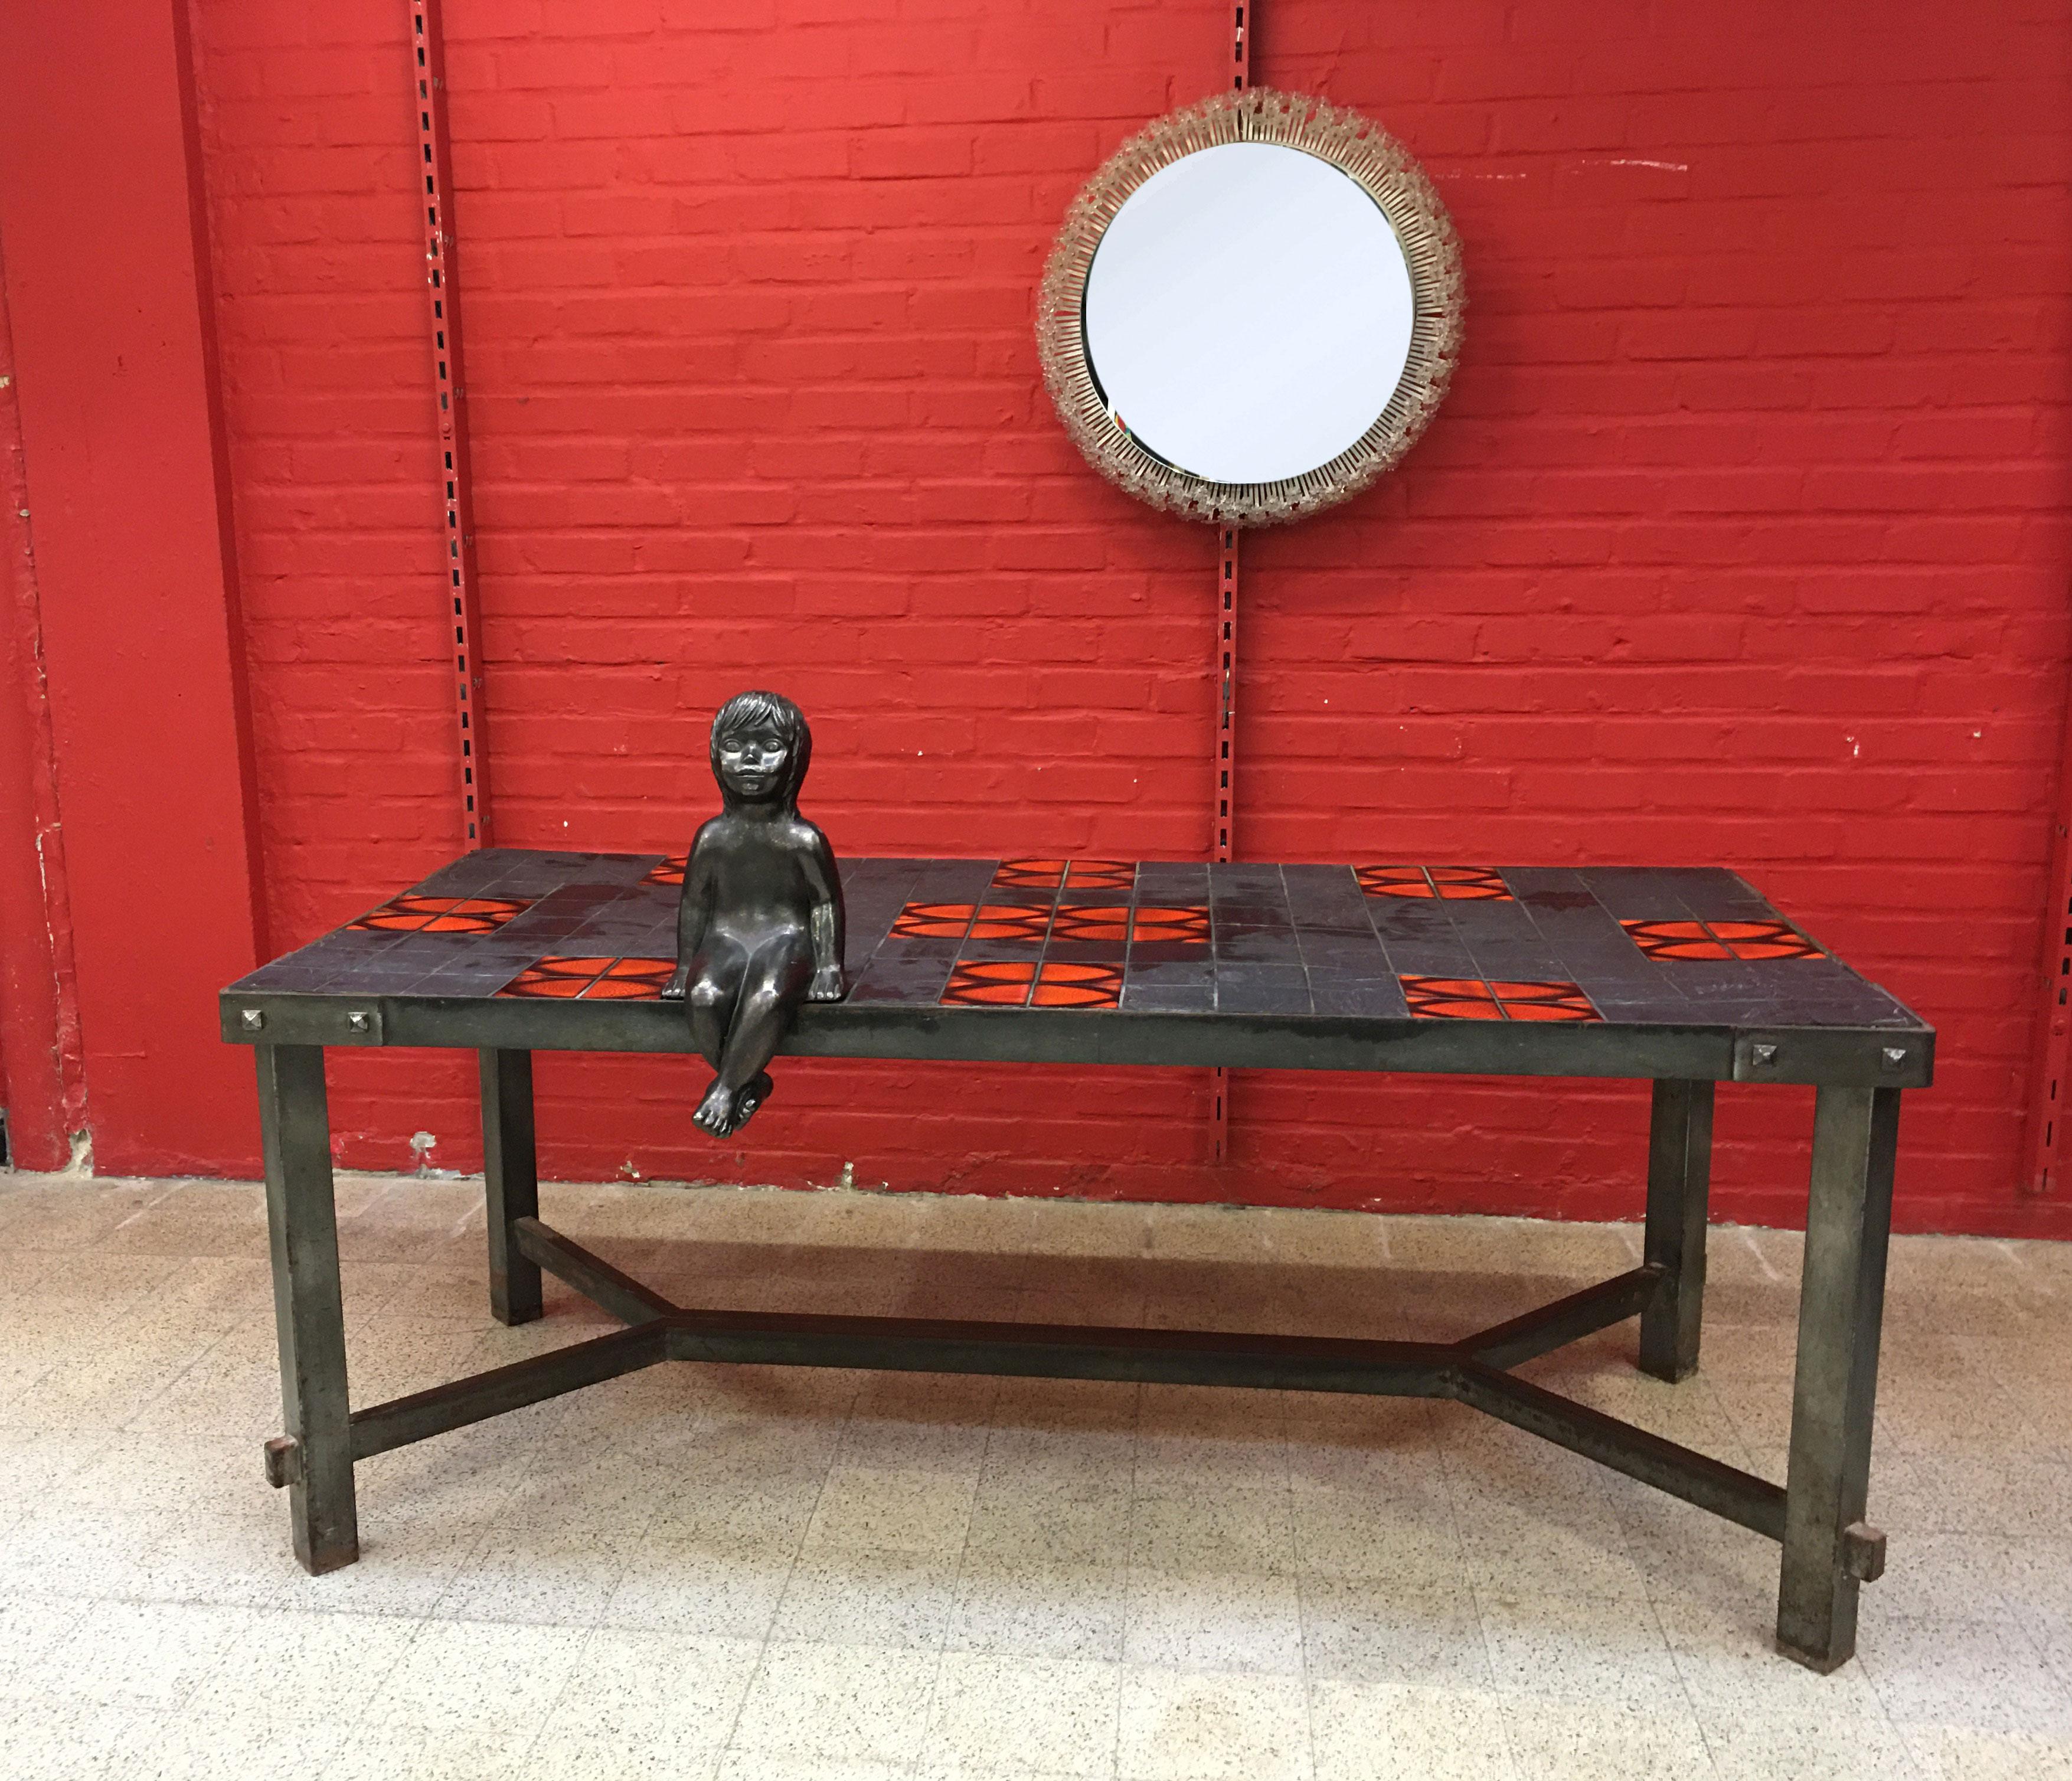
column 1828, row 1550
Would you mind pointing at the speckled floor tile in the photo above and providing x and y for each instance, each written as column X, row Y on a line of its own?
column 1019, row 1609
column 714, row 1587
column 1373, row 1630
column 1540, row 1651
column 1588, row 1741
column 852, row 1596
column 152, row 1655
column 672, row 1690
column 842, row 1702
column 1043, row 1519
column 384, row 1752
column 916, row 1512
column 1213, row 1620
column 635, row 1750
column 1787, row 1747
column 475, row 1677
column 1186, row 1725
column 1056, row 1716
column 215, row 1742
column 1948, row 1753
column 1392, row 1731
column 302, row 1665
column 1247, row 1526
column 1978, row 1674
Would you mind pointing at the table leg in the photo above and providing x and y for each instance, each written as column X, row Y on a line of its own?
column 1679, row 1171
column 510, row 1176
column 302, row 1218
column 1841, row 1303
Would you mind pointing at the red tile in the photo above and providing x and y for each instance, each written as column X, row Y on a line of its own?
column 1674, row 941
column 1061, row 985
column 414, row 915
column 1543, row 1001
column 1468, row 884
column 1471, row 998
column 632, row 980
column 1450, row 999
column 1101, row 874
column 932, row 921
column 561, row 979
column 1092, row 922
column 1394, row 881
column 1184, row 927
column 1010, row 921
column 1765, row 939
column 1030, row 874
column 991, row 983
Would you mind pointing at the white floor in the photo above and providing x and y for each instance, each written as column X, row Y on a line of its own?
column 754, row 1574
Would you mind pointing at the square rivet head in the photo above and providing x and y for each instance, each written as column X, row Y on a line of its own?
column 252, row 1019
column 1893, row 1057
column 1763, row 1057
column 357, row 1022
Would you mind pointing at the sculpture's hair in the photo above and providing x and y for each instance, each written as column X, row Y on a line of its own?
column 747, row 711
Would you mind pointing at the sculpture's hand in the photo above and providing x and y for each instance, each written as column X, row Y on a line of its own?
column 673, row 990
column 830, row 984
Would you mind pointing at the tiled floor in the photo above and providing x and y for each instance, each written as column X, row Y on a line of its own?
column 754, row 1574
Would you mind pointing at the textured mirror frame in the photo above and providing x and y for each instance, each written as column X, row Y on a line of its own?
column 1386, row 171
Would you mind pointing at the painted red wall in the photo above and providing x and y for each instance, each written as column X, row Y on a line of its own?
column 130, row 788
column 1741, row 538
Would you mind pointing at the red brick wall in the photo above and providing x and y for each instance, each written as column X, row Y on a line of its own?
column 1741, row 538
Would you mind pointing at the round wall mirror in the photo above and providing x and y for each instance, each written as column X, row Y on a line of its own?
column 1253, row 310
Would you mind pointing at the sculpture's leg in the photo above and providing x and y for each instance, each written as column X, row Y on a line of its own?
column 1680, row 1169
column 1841, row 1302
column 510, row 1177
column 715, row 986
column 774, row 984
column 294, row 1127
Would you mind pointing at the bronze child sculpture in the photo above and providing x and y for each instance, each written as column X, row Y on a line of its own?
column 759, row 928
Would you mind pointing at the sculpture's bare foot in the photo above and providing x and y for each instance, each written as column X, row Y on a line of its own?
column 715, row 1113
column 754, row 1093
column 679, row 982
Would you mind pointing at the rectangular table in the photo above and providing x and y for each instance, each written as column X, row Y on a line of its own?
column 1684, row 977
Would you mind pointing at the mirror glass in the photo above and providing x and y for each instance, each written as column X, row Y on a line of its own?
column 1249, row 313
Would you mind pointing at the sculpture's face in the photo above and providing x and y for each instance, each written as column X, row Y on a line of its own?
column 753, row 763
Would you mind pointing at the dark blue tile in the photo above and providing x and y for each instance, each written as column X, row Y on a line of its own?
column 1262, row 989
column 1358, row 953
column 1635, row 894
column 1168, row 951
column 1197, row 976
column 1257, row 946
column 1168, row 998
column 1407, row 918
column 904, row 981
column 1431, row 958
column 894, row 952
column 1478, row 919
column 1376, row 998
